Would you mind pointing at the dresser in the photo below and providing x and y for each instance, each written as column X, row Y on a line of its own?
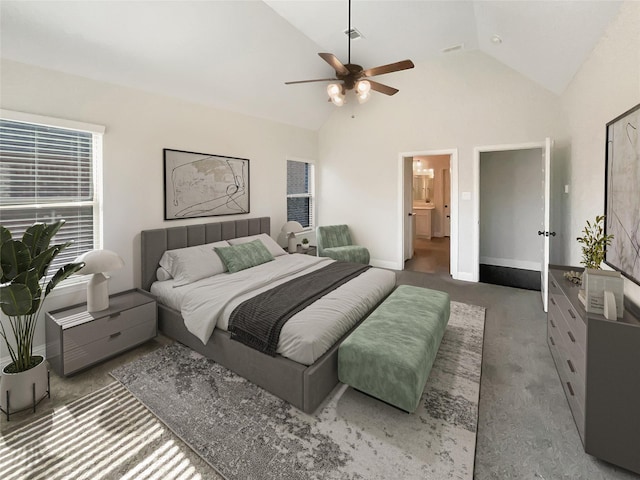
column 77, row 339
column 598, row 362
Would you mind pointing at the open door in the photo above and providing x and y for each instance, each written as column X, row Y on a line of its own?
column 544, row 232
column 409, row 218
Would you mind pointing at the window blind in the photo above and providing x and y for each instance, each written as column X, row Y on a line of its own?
column 300, row 192
column 46, row 174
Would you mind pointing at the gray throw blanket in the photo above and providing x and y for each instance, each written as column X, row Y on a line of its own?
column 257, row 322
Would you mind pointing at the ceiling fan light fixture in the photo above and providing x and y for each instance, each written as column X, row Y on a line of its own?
column 363, row 86
column 338, row 100
column 363, row 97
column 333, row 89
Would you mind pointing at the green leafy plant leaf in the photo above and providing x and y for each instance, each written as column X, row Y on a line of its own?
column 594, row 243
column 15, row 299
column 62, row 274
column 15, row 258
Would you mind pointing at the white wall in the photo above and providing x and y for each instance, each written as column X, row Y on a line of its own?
column 511, row 208
column 607, row 85
column 461, row 100
column 138, row 126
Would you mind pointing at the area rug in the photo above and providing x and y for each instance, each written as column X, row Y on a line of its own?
column 244, row 432
column 106, row 435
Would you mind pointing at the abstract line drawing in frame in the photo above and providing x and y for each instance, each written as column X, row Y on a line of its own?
column 622, row 193
column 204, row 185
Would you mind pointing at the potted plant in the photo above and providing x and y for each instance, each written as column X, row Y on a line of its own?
column 23, row 270
column 594, row 243
column 305, row 243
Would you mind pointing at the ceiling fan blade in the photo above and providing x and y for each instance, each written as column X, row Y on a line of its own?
column 310, row 81
column 379, row 87
column 392, row 67
column 337, row 65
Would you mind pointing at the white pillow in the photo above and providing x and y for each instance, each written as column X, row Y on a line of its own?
column 270, row 243
column 187, row 265
column 163, row 274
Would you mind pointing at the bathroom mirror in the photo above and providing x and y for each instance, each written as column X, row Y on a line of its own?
column 422, row 189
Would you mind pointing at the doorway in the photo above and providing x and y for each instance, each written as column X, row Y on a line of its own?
column 512, row 215
column 428, row 208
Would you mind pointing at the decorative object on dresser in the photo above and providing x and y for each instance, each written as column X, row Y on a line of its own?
column 305, row 243
column 77, row 339
column 597, row 362
column 597, row 284
column 594, row 243
column 96, row 263
column 24, row 273
column 204, row 185
column 622, row 193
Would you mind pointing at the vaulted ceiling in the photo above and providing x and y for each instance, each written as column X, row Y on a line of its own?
column 237, row 55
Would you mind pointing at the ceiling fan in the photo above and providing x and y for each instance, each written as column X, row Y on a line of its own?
column 354, row 77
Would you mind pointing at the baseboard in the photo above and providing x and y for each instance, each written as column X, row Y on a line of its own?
column 511, row 263
column 385, row 264
column 37, row 350
column 510, row 277
column 464, row 276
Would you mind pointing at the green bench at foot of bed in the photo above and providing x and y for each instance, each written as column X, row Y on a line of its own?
column 389, row 356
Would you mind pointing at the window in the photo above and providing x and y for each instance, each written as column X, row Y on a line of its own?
column 300, row 192
column 49, row 170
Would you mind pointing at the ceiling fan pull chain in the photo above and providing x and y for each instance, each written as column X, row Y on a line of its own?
column 349, row 36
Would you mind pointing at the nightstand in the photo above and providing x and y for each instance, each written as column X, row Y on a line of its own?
column 309, row 251
column 77, row 339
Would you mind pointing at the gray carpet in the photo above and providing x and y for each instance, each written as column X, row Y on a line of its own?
column 246, row 433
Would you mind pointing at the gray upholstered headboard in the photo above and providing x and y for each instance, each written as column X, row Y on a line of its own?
column 156, row 242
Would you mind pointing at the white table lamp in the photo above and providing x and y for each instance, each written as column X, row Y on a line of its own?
column 291, row 228
column 97, row 262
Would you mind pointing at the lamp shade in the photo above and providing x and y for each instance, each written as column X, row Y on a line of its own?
column 97, row 262
column 292, row 227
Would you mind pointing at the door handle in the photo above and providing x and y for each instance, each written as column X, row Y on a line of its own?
column 412, row 214
column 540, row 233
column 547, row 234
column 448, row 216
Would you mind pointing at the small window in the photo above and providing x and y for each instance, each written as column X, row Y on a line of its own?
column 300, row 192
column 48, row 173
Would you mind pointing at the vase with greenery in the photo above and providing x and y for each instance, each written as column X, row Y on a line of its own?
column 24, row 265
column 305, row 243
column 594, row 243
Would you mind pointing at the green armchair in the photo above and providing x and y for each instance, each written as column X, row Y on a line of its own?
column 334, row 241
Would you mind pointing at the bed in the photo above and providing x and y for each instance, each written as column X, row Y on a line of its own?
column 302, row 379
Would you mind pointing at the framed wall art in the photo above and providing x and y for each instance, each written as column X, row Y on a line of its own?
column 204, row 185
column 622, row 193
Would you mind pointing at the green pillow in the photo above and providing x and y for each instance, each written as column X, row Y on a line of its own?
column 244, row 255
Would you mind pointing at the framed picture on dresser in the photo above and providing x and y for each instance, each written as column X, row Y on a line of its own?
column 622, row 193
column 204, row 185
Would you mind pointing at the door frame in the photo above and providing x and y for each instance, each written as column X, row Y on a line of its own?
column 476, row 193
column 453, row 239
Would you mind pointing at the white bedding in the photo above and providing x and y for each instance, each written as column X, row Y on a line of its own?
column 208, row 303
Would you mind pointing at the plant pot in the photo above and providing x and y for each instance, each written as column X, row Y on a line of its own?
column 305, row 246
column 20, row 387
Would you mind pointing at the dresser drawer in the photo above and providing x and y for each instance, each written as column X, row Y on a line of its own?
column 84, row 355
column 571, row 384
column 89, row 332
column 575, row 322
